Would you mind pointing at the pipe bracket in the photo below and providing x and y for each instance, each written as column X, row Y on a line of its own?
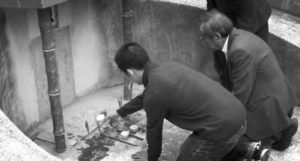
column 49, row 50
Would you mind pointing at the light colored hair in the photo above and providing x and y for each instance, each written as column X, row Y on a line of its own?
column 216, row 23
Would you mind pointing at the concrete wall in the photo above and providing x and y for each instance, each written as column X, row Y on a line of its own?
column 8, row 96
column 96, row 35
column 288, row 56
column 170, row 31
column 285, row 42
column 18, row 36
column 88, row 35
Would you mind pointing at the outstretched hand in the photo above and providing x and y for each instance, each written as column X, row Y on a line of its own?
column 114, row 120
column 140, row 156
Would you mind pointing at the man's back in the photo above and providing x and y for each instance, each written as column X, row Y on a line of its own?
column 194, row 101
column 259, row 84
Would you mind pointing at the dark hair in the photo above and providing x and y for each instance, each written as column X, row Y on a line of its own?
column 216, row 22
column 131, row 55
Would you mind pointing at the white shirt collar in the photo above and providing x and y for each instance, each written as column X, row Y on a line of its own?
column 225, row 47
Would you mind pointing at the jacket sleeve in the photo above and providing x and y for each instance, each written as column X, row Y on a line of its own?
column 243, row 75
column 210, row 4
column 134, row 105
column 155, row 112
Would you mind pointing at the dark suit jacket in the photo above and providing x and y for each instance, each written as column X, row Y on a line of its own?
column 189, row 100
column 259, row 84
column 250, row 15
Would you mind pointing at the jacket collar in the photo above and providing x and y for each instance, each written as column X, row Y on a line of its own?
column 231, row 36
column 149, row 66
column 225, row 47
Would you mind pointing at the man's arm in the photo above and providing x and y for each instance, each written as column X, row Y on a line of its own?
column 134, row 105
column 243, row 75
column 155, row 112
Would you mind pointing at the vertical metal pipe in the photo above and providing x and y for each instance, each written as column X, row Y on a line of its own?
column 46, row 28
column 127, row 18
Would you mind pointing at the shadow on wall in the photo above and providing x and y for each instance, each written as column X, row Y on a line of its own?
column 8, row 101
column 96, row 35
column 86, row 46
column 288, row 57
column 171, row 32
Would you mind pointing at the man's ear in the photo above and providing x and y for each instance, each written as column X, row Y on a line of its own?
column 219, row 39
column 218, row 35
column 130, row 72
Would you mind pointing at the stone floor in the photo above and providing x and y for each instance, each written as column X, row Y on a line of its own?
column 94, row 148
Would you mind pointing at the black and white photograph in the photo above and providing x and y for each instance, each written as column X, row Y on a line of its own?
column 149, row 80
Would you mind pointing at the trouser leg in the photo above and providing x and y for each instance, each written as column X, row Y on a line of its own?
column 242, row 150
column 197, row 149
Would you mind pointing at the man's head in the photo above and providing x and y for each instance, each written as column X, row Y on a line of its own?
column 131, row 58
column 216, row 29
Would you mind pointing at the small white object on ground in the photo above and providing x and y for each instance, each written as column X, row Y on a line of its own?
column 100, row 117
column 124, row 134
column 134, row 128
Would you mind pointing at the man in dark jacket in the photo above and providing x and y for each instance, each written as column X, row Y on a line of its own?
column 250, row 15
column 254, row 76
column 186, row 98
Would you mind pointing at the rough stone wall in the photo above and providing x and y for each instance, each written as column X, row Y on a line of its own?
column 88, row 35
column 284, row 39
column 65, row 71
column 15, row 146
column 18, row 33
column 170, row 32
column 96, row 35
column 7, row 85
column 289, row 6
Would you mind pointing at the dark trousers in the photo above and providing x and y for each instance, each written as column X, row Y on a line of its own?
column 197, row 149
column 240, row 151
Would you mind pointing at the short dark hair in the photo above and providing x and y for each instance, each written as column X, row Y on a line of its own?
column 214, row 23
column 131, row 56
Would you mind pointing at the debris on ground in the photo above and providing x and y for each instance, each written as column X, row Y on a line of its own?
column 98, row 143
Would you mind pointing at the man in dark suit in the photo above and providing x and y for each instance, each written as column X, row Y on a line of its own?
column 250, row 15
column 187, row 99
column 248, row 67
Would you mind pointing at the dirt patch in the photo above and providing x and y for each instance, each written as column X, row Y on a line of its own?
column 98, row 145
column 97, row 149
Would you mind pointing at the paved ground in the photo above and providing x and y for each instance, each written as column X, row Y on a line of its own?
column 95, row 147
column 15, row 146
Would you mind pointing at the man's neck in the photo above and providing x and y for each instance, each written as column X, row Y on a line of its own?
column 149, row 66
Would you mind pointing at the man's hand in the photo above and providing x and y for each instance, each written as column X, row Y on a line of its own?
column 140, row 156
column 114, row 120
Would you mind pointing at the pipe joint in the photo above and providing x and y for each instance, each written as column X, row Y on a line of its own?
column 128, row 14
column 49, row 50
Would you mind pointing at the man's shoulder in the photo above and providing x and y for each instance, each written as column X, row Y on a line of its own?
column 247, row 47
column 171, row 63
column 243, row 39
column 173, row 66
column 168, row 73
